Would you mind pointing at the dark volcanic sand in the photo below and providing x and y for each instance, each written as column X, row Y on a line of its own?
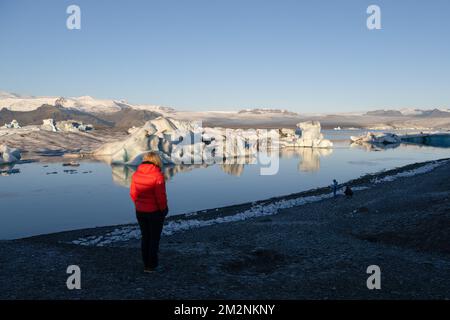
column 315, row 251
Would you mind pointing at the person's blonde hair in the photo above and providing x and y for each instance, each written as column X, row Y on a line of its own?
column 153, row 157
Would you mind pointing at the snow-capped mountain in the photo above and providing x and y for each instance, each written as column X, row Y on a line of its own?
column 122, row 113
column 410, row 112
column 420, row 112
column 90, row 104
column 15, row 102
column 8, row 95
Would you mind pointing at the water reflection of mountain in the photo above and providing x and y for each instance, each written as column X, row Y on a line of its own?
column 309, row 160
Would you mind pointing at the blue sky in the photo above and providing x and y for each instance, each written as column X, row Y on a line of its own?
column 306, row 56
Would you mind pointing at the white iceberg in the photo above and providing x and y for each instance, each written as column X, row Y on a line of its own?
column 311, row 135
column 73, row 126
column 49, row 125
column 13, row 125
column 179, row 142
column 308, row 135
column 9, row 155
column 65, row 126
column 186, row 142
column 377, row 138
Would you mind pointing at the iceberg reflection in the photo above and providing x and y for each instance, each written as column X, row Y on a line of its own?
column 309, row 158
column 309, row 161
column 374, row 147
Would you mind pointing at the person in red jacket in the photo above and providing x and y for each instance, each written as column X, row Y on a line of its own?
column 148, row 192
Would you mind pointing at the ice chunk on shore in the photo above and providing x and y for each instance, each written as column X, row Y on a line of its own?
column 9, row 155
column 132, row 232
column 413, row 172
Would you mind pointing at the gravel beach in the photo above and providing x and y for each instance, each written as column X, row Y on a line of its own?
column 318, row 250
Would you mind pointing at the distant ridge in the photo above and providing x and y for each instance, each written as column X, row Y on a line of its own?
column 57, row 113
column 436, row 113
column 385, row 113
column 267, row 111
column 123, row 115
column 122, row 119
column 410, row 112
column 16, row 102
column 128, row 117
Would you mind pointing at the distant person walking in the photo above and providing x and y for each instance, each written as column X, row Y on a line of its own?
column 148, row 191
column 348, row 192
column 334, row 187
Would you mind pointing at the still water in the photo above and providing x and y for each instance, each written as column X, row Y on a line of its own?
column 43, row 198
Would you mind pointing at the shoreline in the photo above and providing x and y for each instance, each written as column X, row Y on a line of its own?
column 318, row 250
column 362, row 182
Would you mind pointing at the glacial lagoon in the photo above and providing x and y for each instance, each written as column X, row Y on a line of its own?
column 44, row 197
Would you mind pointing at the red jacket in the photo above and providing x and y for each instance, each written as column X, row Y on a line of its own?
column 148, row 189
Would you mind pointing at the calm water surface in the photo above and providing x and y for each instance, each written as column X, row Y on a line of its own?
column 37, row 201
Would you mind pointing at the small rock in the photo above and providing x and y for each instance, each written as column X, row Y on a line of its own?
column 362, row 210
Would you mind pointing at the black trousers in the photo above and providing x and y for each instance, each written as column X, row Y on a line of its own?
column 151, row 225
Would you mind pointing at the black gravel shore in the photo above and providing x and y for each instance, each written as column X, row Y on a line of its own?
column 316, row 251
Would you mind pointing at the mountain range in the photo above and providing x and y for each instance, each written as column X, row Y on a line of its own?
column 107, row 113
column 410, row 112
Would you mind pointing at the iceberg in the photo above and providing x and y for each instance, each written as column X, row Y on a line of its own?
column 377, row 138
column 186, row 142
column 49, row 125
column 13, row 125
column 178, row 142
column 308, row 134
column 65, row 126
column 73, row 126
column 147, row 138
column 9, row 155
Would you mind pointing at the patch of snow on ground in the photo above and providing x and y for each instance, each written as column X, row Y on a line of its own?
column 132, row 232
column 409, row 173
